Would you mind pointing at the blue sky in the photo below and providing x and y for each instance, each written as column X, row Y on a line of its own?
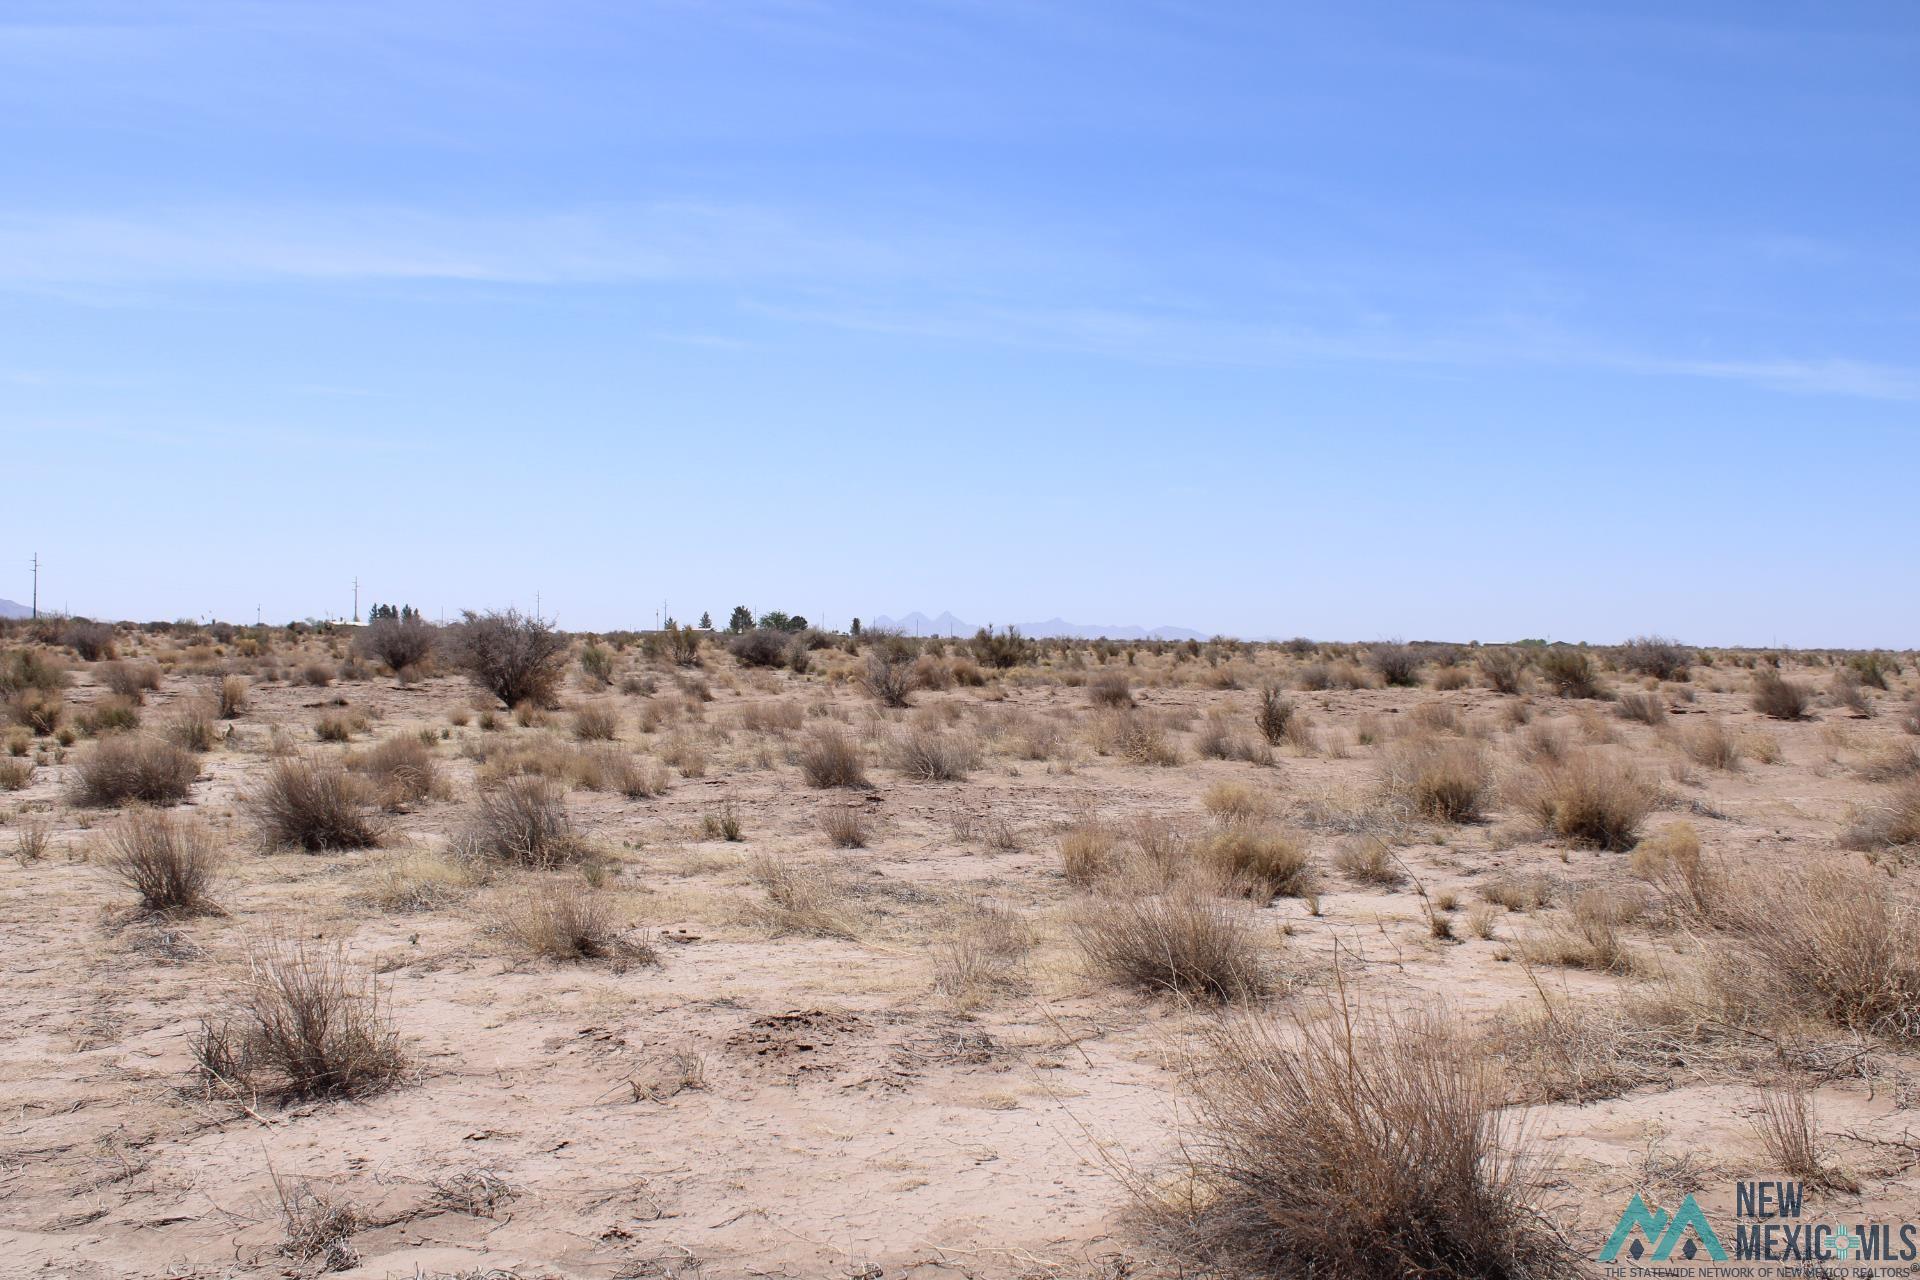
column 1446, row 320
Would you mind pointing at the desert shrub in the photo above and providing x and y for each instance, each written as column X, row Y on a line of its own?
column 524, row 820
column 308, row 1024
column 1369, row 860
column 40, row 710
column 31, row 669
column 981, row 954
column 1110, row 689
column 1446, row 779
column 1831, row 939
column 1656, row 656
column 1397, row 665
column 337, row 726
column 1359, row 1144
column 1261, row 861
column 1712, row 745
column 402, row 644
column 930, row 754
column 1137, row 736
column 889, row 675
column 1220, row 738
column 15, row 774
column 1647, row 708
column 170, row 862
column 128, row 768
column 317, row 674
column 1670, row 860
column 1449, row 678
column 1001, row 650
column 829, row 758
column 1589, row 937
column 1590, row 798
column 401, row 770
column 761, row 647
column 723, row 823
column 1183, row 942
column 111, row 714
column 131, row 679
column 231, row 697
column 566, row 921
column 1087, row 852
column 1776, row 696
column 1519, row 892
column 845, row 826
column 1896, row 821
column 1570, row 672
column 802, row 899
column 311, row 804
column 596, row 663
column 596, row 722
column 91, row 640
column 515, row 657
column 1274, row 714
column 192, row 727
column 1846, row 691
column 1505, row 670
column 1237, row 801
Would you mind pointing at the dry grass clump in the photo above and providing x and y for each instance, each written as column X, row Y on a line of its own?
column 1369, row 860
column 524, row 820
column 982, row 955
column 31, row 669
column 1846, row 691
column 416, row 880
column 1670, row 860
column 566, row 921
column 339, row 726
column 1221, row 738
column 1237, row 801
column 1590, row 798
column 845, row 826
column 1366, row 1145
column 39, row 710
column 930, row 754
column 1087, row 852
column 1712, row 745
column 170, row 862
column 1505, row 670
column 1894, row 822
column 1788, row 1126
column 802, row 899
column 130, row 768
column 1589, row 936
column 1647, row 708
column 1910, row 718
column 772, row 717
column 192, row 726
column 830, row 758
column 1833, row 939
column 231, row 696
column 402, row 772
column 1110, row 689
column 1776, row 696
column 1137, row 736
column 1262, row 862
column 132, row 680
column 15, row 775
column 1517, row 892
column 1570, row 672
column 1183, row 941
column 1446, row 779
column 307, row 1024
column 596, row 722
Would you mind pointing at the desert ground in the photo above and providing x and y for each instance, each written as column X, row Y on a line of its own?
column 711, row 963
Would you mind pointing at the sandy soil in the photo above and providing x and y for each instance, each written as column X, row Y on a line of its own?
column 761, row 1103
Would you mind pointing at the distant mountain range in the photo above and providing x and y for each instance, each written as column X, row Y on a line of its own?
column 14, row 609
column 917, row 623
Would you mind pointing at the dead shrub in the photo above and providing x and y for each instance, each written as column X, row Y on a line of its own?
column 524, row 820
column 830, row 758
column 311, row 804
column 1589, row 937
column 1776, row 696
column 1110, row 689
column 1237, row 801
column 1397, row 665
column 1181, row 942
column 230, row 697
column 1713, row 745
column 170, row 862
column 1087, row 852
column 1369, row 860
column 1788, row 1126
column 1445, row 779
column 1590, row 798
column 802, row 899
column 1647, row 708
column 132, row 680
column 1368, row 1145
column 129, row 768
column 307, row 1024
column 316, row 1228
column 982, row 955
column 1222, row 739
column 596, row 722
column 1505, row 670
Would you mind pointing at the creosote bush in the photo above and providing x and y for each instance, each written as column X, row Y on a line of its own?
column 1656, row 656
column 1570, row 672
column 170, row 862
column 130, row 768
column 1397, row 665
column 1274, row 715
column 1357, row 1144
column 312, row 804
column 515, row 657
column 402, row 644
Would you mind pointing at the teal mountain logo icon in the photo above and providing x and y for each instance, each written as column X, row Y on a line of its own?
column 1683, row 1233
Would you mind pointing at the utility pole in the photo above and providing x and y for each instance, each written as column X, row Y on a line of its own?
column 356, row 599
column 36, row 586
column 536, row 603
